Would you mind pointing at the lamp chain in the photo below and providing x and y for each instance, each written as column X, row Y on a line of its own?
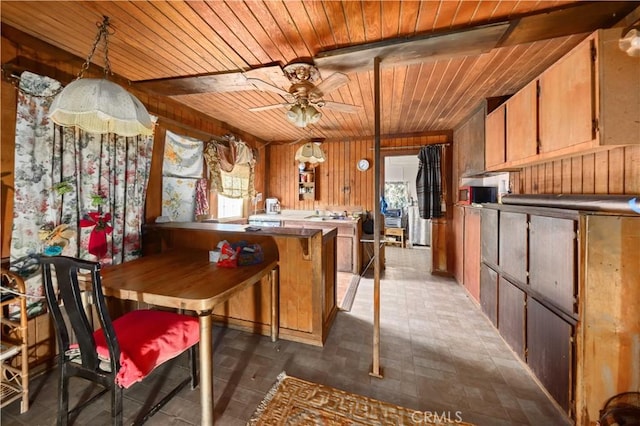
column 103, row 32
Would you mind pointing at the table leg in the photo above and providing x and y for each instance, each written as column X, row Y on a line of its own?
column 275, row 305
column 206, row 368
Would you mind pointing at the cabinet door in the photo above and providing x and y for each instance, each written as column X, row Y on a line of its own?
column 489, row 293
column 513, row 245
column 345, row 254
column 495, row 136
column 552, row 260
column 566, row 101
column 522, row 123
column 550, row 352
column 472, row 252
column 458, row 231
column 511, row 315
column 489, row 236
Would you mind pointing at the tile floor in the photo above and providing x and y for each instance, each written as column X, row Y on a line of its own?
column 438, row 354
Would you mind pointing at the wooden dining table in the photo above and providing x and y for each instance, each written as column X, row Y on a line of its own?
column 186, row 280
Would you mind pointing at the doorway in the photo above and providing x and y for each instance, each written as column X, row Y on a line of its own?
column 400, row 172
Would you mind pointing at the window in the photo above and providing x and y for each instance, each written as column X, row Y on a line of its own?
column 230, row 207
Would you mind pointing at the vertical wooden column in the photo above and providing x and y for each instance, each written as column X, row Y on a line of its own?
column 375, row 367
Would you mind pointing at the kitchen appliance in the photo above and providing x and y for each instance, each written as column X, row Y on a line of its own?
column 272, row 206
column 477, row 194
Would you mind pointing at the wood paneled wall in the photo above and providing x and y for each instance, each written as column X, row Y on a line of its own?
column 615, row 171
column 338, row 181
column 25, row 52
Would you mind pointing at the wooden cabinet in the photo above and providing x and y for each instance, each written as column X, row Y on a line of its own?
column 511, row 315
column 469, row 142
column 306, row 274
column 566, row 100
column 458, row 240
column 489, row 293
column 347, row 240
column 495, row 134
column 512, row 251
column 563, row 294
column 588, row 101
column 472, row 252
column 550, row 337
column 307, row 185
column 521, row 123
column 552, row 255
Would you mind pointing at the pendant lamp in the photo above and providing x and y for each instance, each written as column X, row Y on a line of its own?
column 97, row 105
column 310, row 152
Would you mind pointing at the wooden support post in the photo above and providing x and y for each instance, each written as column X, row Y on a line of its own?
column 375, row 367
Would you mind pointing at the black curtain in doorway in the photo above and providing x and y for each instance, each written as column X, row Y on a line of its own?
column 429, row 182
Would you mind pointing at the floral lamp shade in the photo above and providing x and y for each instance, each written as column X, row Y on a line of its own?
column 100, row 106
column 310, row 153
column 97, row 105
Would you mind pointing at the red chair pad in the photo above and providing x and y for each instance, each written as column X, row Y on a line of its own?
column 147, row 339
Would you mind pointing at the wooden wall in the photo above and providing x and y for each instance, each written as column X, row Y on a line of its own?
column 338, row 181
column 23, row 52
column 616, row 171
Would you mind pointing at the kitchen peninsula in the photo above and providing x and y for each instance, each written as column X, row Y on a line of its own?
column 349, row 232
column 307, row 276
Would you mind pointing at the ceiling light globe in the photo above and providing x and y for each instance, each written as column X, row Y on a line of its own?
column 312, row 115
column 294, row 114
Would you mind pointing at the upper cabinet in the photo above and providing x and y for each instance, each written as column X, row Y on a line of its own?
column 587, row 101
column 522, row 121
column 495, row 136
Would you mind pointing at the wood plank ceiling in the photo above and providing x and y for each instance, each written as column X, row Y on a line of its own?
column 177, row 40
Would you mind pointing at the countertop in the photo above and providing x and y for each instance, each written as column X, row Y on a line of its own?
column 304, row 215
column 271, row 231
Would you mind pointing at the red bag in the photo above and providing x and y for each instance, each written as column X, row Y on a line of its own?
column 228, row 256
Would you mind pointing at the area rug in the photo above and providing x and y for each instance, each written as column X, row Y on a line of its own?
column 294, row 401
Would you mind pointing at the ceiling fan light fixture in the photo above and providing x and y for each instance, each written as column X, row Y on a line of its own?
column 312, row 115
column 301, row 116
column 310, row 153
column 98, row 105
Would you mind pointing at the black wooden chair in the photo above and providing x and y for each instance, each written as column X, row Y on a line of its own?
column 120, row 353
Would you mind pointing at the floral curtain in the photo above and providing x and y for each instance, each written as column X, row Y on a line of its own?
column 182, row 171
column 81, row 192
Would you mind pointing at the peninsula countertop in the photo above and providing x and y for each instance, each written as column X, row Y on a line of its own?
column 275, row 231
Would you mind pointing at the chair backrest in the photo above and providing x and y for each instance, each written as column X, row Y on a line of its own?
column 68, row 292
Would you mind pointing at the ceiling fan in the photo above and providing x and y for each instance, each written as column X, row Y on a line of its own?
column 305, row 98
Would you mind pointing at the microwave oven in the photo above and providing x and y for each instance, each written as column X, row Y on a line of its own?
column 477, row 194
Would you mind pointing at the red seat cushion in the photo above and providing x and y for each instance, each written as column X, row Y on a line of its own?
column 147, row 339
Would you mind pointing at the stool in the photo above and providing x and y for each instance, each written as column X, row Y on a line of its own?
column 394, row 232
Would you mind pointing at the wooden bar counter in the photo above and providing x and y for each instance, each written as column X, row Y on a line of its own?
column 307, row 271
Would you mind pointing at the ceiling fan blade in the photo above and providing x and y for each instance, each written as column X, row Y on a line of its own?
column 268, row 107
column 404, row 51
column 266, row 87
column 331, row 83
column 340, row 107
